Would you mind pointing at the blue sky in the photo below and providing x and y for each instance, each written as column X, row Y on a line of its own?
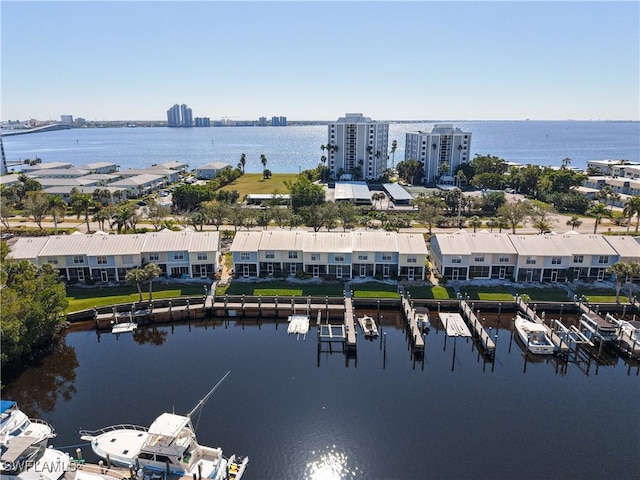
column 317, row 60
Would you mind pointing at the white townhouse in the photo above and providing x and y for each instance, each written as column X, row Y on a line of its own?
column 100, row 167
column 210, row 170
column 107, row 258
column 43, row 165
column 357, row 143
column 280, row 251
column 464, row 256
column 441, row 150
column 140, row 185
column 57, row 173
column 168, row 175
column 530, row 258
column 185, row 254
column 329, row 254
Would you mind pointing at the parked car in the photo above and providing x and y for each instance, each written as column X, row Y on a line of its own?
column 142, row 203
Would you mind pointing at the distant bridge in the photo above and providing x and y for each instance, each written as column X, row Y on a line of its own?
column 44, row 128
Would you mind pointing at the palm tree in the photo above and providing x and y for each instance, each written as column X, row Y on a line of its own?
column 633, row 271
column 620, row 270
column 323, row 160
column 394, row 147
column 136, row 276
column 57, row 208
column 263, row 160
column 631, row 208
column 598, row 210
column 574, row 222
column 151, row 271
column 243, row 161
column 475, row 222
column 82, row 203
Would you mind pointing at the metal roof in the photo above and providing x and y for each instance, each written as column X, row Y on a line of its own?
column 469, row 243
column 26, row 248
column 328, row 242
column 214, row 166
column 246, row 242
column 543, row 245
column 397, row 192
column 626, row 246
column 282, row 240
column 374, row 241
column 411, row 243
column 352, row 191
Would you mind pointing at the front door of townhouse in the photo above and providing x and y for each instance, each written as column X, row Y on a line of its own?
column 385, row 270
column 338, row 272
column 554, row 275
column 601, row 274
column 81, row 274
column 410, row 274
column 503, row 273
column 316, row 271
column 455, row 273
column 363, row 270
column 203, row 271
column 104, row 277
column 245, row 271
column 269, row 269
column 292, row 269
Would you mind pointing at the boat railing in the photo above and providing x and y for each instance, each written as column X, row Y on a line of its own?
column 103, row 471
column 122, row 426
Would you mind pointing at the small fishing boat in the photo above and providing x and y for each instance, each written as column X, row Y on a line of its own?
column 534, row 335
column 597, row 328
column 123, row 326
column 169, row 445
column 368, row 326
column 422, row 318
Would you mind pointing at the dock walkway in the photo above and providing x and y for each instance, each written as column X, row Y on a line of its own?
column 479, row 331
column 561, row 346
column 414, row 332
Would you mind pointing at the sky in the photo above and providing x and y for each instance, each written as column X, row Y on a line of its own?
column 415, row 60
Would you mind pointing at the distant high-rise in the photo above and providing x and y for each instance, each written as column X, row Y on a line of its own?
column 357, row 145
column 278, row 121
column 203, row 122
column 262, row 121
column 179, row 116
column 66, row 120
column 441, row 150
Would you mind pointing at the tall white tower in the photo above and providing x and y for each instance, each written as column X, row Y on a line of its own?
column 357, row 146
column 441, row 150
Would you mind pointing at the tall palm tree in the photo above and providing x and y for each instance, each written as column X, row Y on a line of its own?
column 394, row 147
column 620, row 270
column 598, row 210
column 323, row 160
column 633, row 271
column 243, row 161
column 82, row 203
column 475, row 222
column 151, row 271
column 263, row 160
column 631, row 208
column 57, row 208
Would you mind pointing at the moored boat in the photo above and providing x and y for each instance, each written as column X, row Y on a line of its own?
column 628, row 335
column 422, row 318
column 14, row 422
column 124, row 326
column 169, row 445
column 368, row 325
column 597, row 328
column 534, row 335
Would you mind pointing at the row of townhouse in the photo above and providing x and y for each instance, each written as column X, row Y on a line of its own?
column 107, row 258
column 329, row 254
column 530, row 258
column 626, row 188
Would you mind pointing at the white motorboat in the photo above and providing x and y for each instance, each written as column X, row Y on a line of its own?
column 422, row 318
column 25, row 458
column 124, row 326
column 169, row 445
column 597, row 328
column 368, row 325
column 534, row 335
column 14, row 422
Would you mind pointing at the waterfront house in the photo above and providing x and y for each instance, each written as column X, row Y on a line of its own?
column 327, row 254
column 140, row 185
column 107, row 258
column 210, row 170
column 100, row 167
column 244, row 251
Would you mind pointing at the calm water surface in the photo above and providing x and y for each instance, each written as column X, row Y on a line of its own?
column 290, row 149
column 299, row 414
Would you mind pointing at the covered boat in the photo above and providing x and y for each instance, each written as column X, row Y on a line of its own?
column 534, row 335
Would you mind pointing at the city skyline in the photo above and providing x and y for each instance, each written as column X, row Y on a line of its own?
column 315, row 60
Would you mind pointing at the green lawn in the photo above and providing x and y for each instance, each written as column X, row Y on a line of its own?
column 254, row 183
column 545, row 294
column 434, row 292
column 86, row 298
column 282, row 288
column 496, row 294
column 602, row 295
column 374, row 290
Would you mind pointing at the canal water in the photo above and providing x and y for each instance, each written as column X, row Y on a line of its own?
column 304, row 413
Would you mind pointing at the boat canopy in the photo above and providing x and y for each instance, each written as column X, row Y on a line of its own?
column 169, row 425
column 17, row 447
column 6, row 405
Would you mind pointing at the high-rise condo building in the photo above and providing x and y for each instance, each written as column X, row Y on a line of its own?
column 179, row 116
column 357, row 146
column 441, row 150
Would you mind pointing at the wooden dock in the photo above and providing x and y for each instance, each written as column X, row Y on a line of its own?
column 479, row 331
column 273, row 306
column 454, row 325
column 562, row 348
column 349, row 322
column 413, row 329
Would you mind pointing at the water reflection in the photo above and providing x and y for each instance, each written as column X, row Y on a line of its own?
column 150, row 335
column 330, row 465
column 54, row 378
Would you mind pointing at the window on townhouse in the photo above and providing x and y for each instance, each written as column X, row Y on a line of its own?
column 127, row 259
column 78, row 259
column 269, row 255
column 339, row 258
column 202, row 255
column 503, row 259
column 315, row 257
column 456, row 260
column 52, row 260
column 412, row 259
column 245, row 256
column 578, row 259
column 155, row 256
column 531, row 260
column 363, row 256
column 479, row 258
column 293, row 255
column 101, row 260
column 386, row 257
column 178, row 255
column 556, row 260
column 603, row 259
